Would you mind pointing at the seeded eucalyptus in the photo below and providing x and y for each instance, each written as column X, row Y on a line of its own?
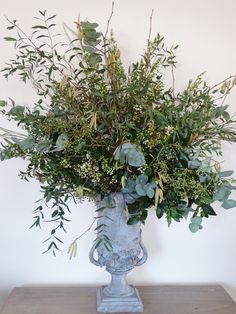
column 98, row 128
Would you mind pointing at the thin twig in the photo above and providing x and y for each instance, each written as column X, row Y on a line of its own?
column 150, row 26
column 173, row 79
column 225, row 80
column 109, row 20
column 86, row 231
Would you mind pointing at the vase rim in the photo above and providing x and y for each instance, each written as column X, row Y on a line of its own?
column 114, row 196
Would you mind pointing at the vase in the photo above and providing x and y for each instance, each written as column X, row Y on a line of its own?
column 118, row 246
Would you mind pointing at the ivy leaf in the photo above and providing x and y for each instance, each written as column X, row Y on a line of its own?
column 133, row 220
column 208, row 210
column 159, row 212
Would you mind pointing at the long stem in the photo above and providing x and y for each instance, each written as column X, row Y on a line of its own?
column 225, row 80
column 109, row 20
column 86, row 231
column 150, row 26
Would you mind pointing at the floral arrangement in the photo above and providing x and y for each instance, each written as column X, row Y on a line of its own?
column 98, row 128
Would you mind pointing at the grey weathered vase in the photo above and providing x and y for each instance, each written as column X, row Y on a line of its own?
column 124, row 255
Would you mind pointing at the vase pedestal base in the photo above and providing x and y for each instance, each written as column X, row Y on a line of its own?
column 110, row 304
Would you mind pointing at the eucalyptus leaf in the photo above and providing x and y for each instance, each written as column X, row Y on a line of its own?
column 26, row 144
column 227, row 204
column 193, row 164
column 204, row 178
column 61, row 142
column 196, row 220
column 222, row 194
column 135, row 158
column 140, row 189
column 129, row 153
column 224, row 174
column 194, row 227
column 150, row 192
column 43, row 146
column 142, row 179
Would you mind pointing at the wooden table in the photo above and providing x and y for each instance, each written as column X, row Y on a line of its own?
column 157, row 300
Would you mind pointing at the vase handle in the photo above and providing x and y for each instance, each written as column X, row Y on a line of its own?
column 91, row 256
column 143, row 259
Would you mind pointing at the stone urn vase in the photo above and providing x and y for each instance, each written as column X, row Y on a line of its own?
column 121, row 251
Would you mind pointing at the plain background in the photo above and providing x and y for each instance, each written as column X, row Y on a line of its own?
column 205, row 31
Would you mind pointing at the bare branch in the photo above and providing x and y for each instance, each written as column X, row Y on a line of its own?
column 109, row 20
column 173, row 79
column 86, row 231
column 150, row 26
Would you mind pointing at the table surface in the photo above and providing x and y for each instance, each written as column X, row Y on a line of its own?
column 188, row 299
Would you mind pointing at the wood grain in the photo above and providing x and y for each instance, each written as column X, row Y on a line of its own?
column 157, row 300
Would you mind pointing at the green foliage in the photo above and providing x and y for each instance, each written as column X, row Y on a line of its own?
column 195, row 224
column 131, row 154
column 140, row 186
column 98, row 128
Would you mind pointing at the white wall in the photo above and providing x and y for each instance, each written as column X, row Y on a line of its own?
column 205, row 31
